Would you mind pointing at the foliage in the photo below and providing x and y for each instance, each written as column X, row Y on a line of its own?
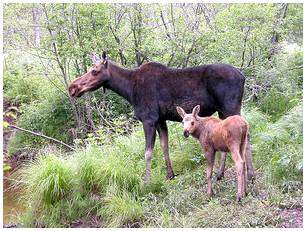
column 112, row 175
column 278, row 150
column 280, row 87
column 21, row 86
column 49, row 115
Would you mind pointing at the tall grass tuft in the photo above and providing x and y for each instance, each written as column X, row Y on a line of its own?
column 48, row 179
column 121, row 209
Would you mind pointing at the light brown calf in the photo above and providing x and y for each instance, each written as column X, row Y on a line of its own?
column 214, row 135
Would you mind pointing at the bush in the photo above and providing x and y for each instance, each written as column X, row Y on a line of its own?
column 279, row 83
column 51, row 116
column 21, row 83
column 278, row 149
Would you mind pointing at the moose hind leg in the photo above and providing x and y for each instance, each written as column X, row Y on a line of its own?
column 220, row 173
column 163, row 136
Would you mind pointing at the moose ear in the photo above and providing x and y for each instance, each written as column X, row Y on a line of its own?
column 104, row 55
column 181, row 111
column 196, row 110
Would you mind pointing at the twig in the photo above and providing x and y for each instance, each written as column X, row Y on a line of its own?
column 41, row 135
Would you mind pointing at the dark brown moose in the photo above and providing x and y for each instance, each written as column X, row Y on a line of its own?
column 155, row 90
column 214, row 134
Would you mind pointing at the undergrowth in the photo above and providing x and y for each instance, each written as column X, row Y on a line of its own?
column 105, row 182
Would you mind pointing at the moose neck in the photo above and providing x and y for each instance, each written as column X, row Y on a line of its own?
column 120, row 81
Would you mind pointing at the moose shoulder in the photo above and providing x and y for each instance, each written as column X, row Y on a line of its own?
column 155, row 90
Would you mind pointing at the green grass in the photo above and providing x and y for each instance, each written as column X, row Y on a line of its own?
column 105, row 183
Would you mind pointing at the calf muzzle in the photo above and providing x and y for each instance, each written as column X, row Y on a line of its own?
column 186, row 134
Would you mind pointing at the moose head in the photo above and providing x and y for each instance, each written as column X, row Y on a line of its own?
column 95, row 77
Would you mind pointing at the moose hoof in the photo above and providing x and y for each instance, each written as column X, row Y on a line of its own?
column 170, row 177
column 219, row 175
column 251, row 177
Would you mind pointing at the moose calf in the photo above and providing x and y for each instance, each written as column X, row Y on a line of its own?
column 214, row 135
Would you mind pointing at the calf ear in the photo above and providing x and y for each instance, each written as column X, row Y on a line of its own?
column 196, row 110
column 181, row 111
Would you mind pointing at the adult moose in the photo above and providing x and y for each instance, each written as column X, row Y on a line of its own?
column 155, row 90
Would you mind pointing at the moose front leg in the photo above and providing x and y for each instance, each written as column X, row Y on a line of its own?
column 150, row 134
column 163, row 137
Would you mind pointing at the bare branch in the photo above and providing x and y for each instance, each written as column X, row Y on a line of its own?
column 41, row 135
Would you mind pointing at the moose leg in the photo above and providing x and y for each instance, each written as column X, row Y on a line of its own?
column 163, row 137
column 220, row 173
column 210, row 156
column 250, row 169
column 241, row 172
column 150, row 134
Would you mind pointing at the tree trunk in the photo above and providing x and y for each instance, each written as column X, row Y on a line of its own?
column 37, row 32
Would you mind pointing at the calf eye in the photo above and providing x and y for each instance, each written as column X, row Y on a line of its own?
column 94, row 72
column 192, row 123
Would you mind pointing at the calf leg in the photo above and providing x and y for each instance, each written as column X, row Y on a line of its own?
column 150, row 135
column 220, row 173
column 163, row 136
column 210, row 156
column 241, row 172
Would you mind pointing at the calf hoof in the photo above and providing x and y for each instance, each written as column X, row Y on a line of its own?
column 238, row 199
column 251, row 177
column 219, row 175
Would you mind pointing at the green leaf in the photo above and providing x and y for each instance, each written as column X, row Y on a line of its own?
column 5, row 124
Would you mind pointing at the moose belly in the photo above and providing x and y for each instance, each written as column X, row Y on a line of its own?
column 168, row 109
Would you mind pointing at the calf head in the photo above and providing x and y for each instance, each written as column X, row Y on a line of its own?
column 190, row 121
column 95, row 77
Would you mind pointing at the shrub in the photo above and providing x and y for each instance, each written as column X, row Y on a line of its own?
column 20, row 88
column 51, row 116
column 279, row 83
column 278, row 149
